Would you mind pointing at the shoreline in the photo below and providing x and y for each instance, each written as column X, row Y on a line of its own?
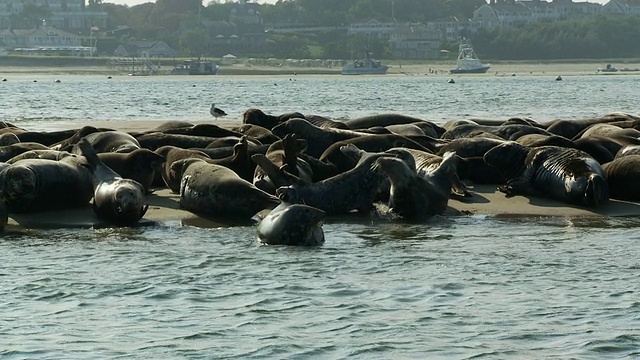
column 438, row 68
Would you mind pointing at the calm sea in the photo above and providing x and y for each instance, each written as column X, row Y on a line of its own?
column 454, row 288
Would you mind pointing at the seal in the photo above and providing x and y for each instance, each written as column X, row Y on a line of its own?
column 319, row 139
column 208, row 130
column 41, row 154
column 353, row 190
column 115, row 200
column 283, row 153
column 34, row 185
column 9, row 151
column 240, row 161
column 211, row 190
column 9, row 139
column 170, row 155
column 370, row 143
column 291, row 223
column 608, row 130
column 47, row 138
column 365, row 122
column 110, row 141
column 623, row 176
column 410, row 194
column 155, row 140
column 140, row 165
column 263, row 135
column 568, row 175
column 430, row 166
column 258, row 117
column 571, row 128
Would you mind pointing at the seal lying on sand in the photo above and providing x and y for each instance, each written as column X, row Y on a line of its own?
column 212, row 190
column 568, row 175
column 34, row 185
column 116, row 200
column 291, row 223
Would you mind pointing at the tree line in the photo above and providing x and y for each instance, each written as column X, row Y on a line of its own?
column 179, row 24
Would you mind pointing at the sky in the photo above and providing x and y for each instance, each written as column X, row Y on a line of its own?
column 138, row 2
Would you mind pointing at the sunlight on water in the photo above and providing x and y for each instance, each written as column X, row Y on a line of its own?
column 455, row 288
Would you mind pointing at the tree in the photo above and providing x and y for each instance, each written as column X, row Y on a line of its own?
column 194, row 42
column 31, row 16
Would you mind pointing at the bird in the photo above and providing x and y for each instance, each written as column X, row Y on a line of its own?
column 216, row 112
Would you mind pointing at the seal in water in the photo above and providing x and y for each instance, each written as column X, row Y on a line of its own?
column 116, row 200
column 291, row 223
column 212, row 190
column 564, row 174
column 414, row 197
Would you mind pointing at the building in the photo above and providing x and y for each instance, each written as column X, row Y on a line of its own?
column 145, row 49
column 509, row 13
column 70, row 15
column 372, row 28
column 45, row 40
column 622, row 7
column 452, row 28
column 415, row 41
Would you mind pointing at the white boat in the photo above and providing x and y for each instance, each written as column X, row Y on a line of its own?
column 366, row 66
column 468, row 62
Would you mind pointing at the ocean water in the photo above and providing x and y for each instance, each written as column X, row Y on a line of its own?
column 489, row 287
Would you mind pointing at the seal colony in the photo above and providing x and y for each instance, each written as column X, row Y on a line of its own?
column 289, row 173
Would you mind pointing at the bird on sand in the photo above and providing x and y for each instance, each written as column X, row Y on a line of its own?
column 216, row 112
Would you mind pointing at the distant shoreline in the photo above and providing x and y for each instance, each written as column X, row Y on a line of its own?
column 98, row 66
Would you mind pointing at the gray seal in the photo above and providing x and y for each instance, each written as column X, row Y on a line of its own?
column 115, row 200
column 563, row 174
column 35, row 185
column 291, row 223
column 211, row 190
column 623, row 176
column 110, row 141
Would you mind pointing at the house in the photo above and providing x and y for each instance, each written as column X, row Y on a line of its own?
column 508, row 13
column 144, row 48
column 43, row 40
column 415, row 41
column 65, row 14
column 452, row 28
column 622, row 7
column 372, row 28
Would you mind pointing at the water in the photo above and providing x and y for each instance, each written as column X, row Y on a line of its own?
column 454, row 288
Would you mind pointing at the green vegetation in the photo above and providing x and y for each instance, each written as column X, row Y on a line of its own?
column 179, row 23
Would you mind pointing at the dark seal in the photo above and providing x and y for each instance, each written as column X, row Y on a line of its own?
column 115, row 200
column 291, row 223
column 568, row 175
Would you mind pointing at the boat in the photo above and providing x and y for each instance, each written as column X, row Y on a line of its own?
column 196, row 67
column 366, row 66
column 468, row 62
column 608, row 69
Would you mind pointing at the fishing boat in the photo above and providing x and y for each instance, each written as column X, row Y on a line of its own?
column 366, row 66
column 196, row 67
column 468, row 62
